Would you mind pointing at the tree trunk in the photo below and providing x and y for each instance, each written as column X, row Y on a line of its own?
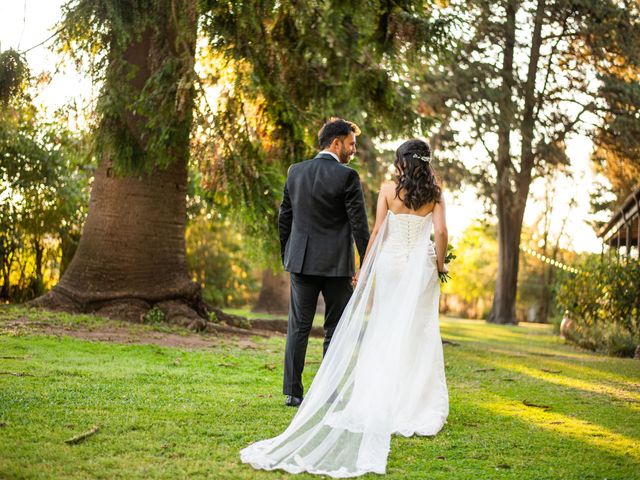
column 503, row 309
column 132, row 251
column 37, row 284
column 69, row 242
column 274, row 293
column 513, row 185
column 4, row 288
column 7, row 256
column 509, row 228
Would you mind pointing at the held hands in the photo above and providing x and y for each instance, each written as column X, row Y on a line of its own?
column 354, row 279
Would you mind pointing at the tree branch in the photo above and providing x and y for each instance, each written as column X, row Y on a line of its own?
column 554, row 49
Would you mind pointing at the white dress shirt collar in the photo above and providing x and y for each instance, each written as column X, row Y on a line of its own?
column 332, row 154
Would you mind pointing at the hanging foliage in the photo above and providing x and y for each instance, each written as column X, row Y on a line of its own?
column 13, row 75
column 144, row 115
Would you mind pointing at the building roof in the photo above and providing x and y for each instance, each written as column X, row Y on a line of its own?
column 615, row 230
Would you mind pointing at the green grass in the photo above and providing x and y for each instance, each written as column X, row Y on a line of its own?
column 173, row 413
column 318, row 319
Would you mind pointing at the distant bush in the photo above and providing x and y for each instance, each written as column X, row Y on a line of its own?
column 219, row 263
column 469, row 294
column 604, row 304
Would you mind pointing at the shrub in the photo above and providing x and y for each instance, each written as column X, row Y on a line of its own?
column 154, row 315
column 604, row 303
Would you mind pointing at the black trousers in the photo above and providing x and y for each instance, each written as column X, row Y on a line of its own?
column 304, row 299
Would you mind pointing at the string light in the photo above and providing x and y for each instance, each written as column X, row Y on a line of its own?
column 551, row 261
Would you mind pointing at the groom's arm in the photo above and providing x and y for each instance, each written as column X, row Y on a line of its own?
column 285, row 217
column 354, row 203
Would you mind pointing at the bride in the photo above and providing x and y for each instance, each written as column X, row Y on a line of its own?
column 384, row 370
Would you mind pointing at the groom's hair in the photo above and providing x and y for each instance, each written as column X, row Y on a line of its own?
column 335, row 128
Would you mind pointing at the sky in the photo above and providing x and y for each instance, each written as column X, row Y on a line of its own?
column 26, row 23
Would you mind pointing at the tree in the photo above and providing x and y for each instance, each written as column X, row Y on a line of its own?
column 617, row 153
column 43, row 185
column 549, row 246
column 523, row 82
column 469, row 294
column 132, row 249
column 300, row 64
column 280, row 68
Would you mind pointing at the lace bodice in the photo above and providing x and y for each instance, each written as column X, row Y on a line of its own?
column 405, row 230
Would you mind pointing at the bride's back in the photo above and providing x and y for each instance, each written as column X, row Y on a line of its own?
column 395, row 203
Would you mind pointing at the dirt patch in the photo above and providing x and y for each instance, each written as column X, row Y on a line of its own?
column 135, row 334
column 281, row 327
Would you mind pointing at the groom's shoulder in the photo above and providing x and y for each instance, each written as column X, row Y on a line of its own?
column 313, row 164
column 299, row 166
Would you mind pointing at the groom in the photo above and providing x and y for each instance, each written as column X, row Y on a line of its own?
column 321, row 214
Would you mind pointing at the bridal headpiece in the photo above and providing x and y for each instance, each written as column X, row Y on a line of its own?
column 424, row 158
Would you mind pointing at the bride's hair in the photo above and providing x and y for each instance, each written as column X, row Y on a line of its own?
column 415, row 177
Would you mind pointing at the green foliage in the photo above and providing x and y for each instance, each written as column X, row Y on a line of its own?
column 218, row 262
column 167, row 412
column 282, row 69
column 604, row 304
column 44, row 178
column 14, row 74
column 144, row 116
column 614, row 42
column 474, row 271
column 272, row 73
column 154, row 315
column 475, row 88
column 617, row 153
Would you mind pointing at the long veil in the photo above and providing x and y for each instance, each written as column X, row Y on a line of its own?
column 344, row 425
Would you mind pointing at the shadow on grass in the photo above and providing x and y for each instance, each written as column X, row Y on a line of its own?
column 489, row 436
column 574, row 398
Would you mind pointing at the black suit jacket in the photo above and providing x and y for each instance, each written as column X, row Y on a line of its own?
column 321, row 214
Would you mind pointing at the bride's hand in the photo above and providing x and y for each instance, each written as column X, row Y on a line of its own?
column 444, row 269
column 354, row 279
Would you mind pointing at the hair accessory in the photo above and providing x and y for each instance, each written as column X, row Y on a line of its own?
column 425, row 159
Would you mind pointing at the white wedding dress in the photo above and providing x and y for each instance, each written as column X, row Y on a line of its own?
column 383, row 372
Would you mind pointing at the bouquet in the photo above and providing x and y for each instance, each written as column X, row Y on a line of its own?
column 444, row 276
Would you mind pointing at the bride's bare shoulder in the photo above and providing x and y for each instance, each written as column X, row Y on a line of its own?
column 387, row 187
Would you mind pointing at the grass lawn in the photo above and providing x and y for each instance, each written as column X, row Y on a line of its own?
column 318, row 319
column 166, row 412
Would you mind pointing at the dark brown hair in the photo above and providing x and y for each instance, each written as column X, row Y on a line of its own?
column 335, row 128
column 415, row 177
